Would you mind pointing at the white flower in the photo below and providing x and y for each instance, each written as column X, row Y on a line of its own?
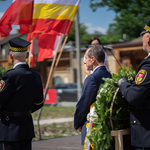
column 92, row 114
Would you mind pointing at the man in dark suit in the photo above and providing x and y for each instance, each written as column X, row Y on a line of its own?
column 138, row 96
column 21, row 93
column 94, row 60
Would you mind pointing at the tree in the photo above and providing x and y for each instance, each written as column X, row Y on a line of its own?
column 131, row 15
column 113, row 35
column 84, row 35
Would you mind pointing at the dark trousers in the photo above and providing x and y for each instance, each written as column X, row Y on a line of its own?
column 19, row 145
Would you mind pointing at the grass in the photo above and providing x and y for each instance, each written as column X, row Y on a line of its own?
column 56, row 130
column 51, row 112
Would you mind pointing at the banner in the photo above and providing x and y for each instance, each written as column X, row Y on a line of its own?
column 57, row 15
column 18, row 13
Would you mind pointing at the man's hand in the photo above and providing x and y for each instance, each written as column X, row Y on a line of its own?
column 79, row 129
column 122, row 80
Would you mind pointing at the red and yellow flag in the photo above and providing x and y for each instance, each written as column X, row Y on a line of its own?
column 18, row 13
column 39, row 16
column 47, row 45
column 54, row 15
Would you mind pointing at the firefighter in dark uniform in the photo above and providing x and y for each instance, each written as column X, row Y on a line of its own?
column 137, row 94
column 21, row 93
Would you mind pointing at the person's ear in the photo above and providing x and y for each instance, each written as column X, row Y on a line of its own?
column 93, row 59
column 11, row 55
column 148, row 39
column 27, row 55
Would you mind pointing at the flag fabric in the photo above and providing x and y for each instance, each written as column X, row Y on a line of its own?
column 5, row 30
column 31, row 36
column 50, row 18
column 18, row 13
column 47, row 16
column 47, row 45
column 57, row 15
column 25, row 28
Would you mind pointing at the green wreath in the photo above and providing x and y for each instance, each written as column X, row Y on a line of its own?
column 111, row 109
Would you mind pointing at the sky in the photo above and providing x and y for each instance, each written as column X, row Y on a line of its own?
column 98, row 20
column 95, row 21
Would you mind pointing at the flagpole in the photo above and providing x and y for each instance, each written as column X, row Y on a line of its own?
column 47, row 85
column 61, row 50
column 78, row 53
column 30, row 39
column 29, row 60
column 53, row 63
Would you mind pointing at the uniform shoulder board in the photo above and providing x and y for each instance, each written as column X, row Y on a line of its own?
column 39, row 103
column 2, row 85
column 146, row 57
column 10, row 70
column 141, row 76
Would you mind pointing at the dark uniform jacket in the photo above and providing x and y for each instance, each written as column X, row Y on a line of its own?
column 88, row 96
column 138, row 96
column 21, row 92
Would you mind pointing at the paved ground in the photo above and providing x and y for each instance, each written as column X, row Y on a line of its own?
column 64, row 143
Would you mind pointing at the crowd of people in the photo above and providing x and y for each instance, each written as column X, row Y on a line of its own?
column 136, row 93
column 21, row 93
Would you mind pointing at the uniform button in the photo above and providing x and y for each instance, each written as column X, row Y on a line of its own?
column 134, row 121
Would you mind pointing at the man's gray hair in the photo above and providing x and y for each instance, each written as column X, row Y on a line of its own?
column 19, row 55
column 97, row 51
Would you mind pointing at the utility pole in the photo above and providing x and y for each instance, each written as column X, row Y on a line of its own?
column 78, row 54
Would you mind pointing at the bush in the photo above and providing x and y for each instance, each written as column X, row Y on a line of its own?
column 3, row 69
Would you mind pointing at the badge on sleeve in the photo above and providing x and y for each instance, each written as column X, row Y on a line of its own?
column 140, row 77
column 2, row 85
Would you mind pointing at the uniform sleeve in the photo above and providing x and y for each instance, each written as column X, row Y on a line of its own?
column 138, row 92
column 6, row 89
column 39, row 99
column 89, row 92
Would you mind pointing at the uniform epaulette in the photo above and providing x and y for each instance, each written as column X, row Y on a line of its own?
column 39, row 103
column 146, row 57
column 8, row 71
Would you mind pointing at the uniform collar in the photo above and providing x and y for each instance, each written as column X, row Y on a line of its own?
column 20, row 63
column 148, row 56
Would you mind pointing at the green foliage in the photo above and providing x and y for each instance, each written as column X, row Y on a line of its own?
column 131, row 16
column 84, row 36
column 113, row 35
column 2, row 70
column 110, row 38
column 100, row 133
